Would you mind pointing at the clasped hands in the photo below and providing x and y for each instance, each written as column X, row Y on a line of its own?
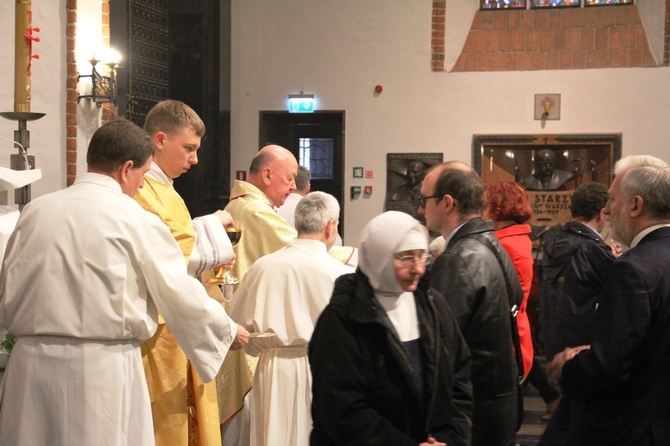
column 555, row 367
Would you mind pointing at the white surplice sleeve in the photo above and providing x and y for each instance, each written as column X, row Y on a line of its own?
column 199, row 323
column 212, row 246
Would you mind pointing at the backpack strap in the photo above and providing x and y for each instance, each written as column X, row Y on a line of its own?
column 514, row 307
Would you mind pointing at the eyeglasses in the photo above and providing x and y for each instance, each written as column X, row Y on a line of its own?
column 422, row 199
column 409, row 259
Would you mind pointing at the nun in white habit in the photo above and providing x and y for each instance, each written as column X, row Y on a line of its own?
column 388, row 361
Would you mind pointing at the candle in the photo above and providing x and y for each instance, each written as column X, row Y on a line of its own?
column 22, row 56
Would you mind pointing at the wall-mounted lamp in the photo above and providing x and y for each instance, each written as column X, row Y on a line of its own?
column 301, row 103
column 547, row 107
column 103, row 86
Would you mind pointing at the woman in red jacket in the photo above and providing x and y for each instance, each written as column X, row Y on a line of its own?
column 507, row 206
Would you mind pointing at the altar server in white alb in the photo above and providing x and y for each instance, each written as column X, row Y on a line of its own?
column 282, row 295
column 84, row 276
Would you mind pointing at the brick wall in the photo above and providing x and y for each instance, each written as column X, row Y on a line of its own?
column 560, row 39
column 71, row 99
column 437, row 37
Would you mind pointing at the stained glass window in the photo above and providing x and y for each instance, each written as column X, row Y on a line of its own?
column 608, row 2
column 316, row 154
column 502, row 4
column 554, row 3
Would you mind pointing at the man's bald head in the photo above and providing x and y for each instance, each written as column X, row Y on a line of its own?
column 273, row 171
column 457, row 165
column 267, row 155
column 545, row 162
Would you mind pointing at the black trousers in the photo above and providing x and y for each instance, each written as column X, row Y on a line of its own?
column 538, row 378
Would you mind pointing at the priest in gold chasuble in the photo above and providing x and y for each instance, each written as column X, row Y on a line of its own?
column 185, row 411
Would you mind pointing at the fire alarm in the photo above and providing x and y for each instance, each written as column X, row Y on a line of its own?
column 379, row 89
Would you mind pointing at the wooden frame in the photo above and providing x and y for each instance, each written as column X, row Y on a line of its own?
column 578, row 158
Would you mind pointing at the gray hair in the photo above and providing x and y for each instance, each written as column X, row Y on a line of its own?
column 652, row 183
column 259, row 161
column 302, row 179
column 314, row 211
column 632, row 161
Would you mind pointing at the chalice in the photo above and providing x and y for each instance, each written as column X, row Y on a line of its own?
column 223, row 276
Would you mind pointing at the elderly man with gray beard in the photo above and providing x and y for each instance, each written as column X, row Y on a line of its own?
column 622, row 377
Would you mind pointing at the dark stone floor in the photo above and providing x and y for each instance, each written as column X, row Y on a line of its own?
column 533, row 426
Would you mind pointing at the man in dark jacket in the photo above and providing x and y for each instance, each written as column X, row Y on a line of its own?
column 469, row 276
column 622, row 380
column 574, row 265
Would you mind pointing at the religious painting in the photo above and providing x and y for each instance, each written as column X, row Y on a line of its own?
column 404, row 174
column 549, row 167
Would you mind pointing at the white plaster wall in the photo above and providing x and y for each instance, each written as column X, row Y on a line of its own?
column 652, row 15
column 458, row 20
column 340, row 49
column 47, row 135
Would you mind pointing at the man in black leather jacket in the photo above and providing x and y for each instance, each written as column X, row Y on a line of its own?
column 470, row 278
column 574, row 265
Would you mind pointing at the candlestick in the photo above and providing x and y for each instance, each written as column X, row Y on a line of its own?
column 23, row 55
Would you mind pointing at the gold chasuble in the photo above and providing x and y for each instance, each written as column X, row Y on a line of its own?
column 185, row 411
column 264, row 231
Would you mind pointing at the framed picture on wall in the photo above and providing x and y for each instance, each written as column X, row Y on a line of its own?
column 404, row 174
column 549, row 167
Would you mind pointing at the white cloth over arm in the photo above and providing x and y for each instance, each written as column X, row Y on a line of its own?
column 212, row 246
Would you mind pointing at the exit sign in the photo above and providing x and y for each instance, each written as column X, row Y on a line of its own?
column 301, row 105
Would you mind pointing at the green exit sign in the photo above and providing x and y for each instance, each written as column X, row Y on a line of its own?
column 301, row 105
